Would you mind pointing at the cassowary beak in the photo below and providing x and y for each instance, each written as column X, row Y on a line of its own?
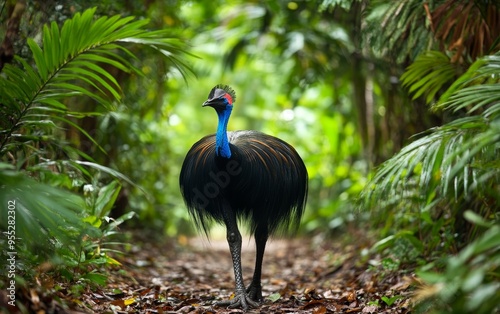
column 216, row 103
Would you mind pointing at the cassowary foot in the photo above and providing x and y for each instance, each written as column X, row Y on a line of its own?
column 255, row 292
column 241, row 300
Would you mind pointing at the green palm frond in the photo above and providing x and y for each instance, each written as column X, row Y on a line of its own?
column 460, row 157
column 73, row 54
column 481, row 79
column 398, row 29
column 428, row 74
column 37, row 211
column 72, row 60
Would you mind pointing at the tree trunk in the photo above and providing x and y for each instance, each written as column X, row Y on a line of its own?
column 7, row 47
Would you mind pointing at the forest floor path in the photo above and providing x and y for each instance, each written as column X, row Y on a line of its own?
column 304, row 275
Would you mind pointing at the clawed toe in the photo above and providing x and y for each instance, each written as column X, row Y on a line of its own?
column 254, row 292
column 241, row 300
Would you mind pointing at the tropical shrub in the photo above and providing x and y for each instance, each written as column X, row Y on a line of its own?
column 56, row 199
column 446, row 175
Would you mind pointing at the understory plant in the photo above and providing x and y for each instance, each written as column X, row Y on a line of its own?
column 55, row 198
column 440, row 193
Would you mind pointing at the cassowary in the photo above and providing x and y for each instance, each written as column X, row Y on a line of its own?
column 243, row 175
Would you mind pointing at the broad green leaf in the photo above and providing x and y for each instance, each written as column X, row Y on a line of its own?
column 44, row 213
column 106, row 199
column 96, row 278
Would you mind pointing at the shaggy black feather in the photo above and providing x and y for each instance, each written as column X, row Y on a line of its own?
column 265, row 181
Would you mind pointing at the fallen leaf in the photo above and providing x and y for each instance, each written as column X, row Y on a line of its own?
column 129, row 301
column 370, row 309
column 319, row 310
column 274, row 297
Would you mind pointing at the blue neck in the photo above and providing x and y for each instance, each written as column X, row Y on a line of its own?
column 221, row 141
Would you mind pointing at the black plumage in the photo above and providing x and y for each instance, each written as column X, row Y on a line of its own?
column 247, row 176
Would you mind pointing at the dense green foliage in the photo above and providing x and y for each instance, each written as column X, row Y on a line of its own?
column 96, row 125
column 59, row 198
column 439, row 194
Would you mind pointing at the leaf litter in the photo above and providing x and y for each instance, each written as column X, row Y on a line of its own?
column 189, row 275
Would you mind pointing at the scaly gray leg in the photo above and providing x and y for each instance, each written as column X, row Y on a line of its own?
column 233, row 236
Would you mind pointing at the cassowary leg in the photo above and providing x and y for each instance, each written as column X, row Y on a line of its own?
column 241, row 298
column 254, row 290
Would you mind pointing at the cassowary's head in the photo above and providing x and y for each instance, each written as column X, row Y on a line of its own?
column 220, row 98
